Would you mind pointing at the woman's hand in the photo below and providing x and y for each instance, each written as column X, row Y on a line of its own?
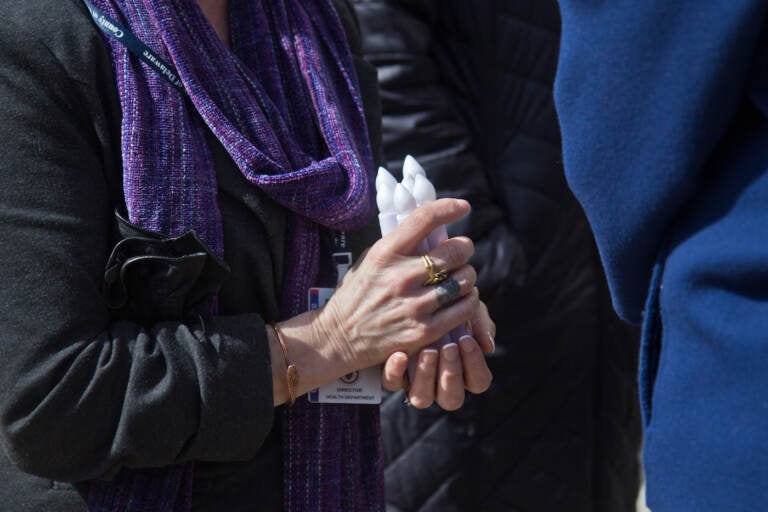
column 382, row 305
column 440, row 375
column 443, row 375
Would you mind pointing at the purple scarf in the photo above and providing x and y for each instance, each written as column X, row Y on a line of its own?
column 284, row 102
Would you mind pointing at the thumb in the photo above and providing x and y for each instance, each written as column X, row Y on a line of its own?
column 424, row 219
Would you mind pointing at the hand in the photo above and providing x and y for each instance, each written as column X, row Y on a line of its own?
column 382, row 306
column 442, row 376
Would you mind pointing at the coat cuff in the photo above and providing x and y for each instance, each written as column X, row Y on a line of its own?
column 236, row 402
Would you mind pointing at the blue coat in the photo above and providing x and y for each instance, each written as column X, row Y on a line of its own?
column 664, row 113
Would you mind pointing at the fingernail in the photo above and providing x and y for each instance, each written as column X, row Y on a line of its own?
column 429, row 354
column 451, row 352
column 401, row 357
column 493, row 342
column 467, row 345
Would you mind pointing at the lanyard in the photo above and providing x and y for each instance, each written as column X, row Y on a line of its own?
column 134, row 45
column 342, row 255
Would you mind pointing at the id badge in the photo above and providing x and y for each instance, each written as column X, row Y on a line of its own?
column 360, row 387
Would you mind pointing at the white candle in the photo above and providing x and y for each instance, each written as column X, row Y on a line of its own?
column 395, row 202
column 411, row 167
column 404, row 202
column 424, row 192
column 385, row 191
column 383, row 177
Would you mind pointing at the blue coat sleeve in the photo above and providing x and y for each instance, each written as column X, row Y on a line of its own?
column 645, row 91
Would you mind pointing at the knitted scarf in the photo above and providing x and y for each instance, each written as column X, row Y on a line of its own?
column 283, row 100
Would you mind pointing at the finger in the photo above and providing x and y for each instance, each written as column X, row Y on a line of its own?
column 446, row 292
column 421, row 222
column 452, row 254
column 453, row 315
column 483, row 328
column 446, row 258
column 461, row 282
column 422, row 392
column 450, row 378
column 477, row 375
column 433, row 297
column 393, row 374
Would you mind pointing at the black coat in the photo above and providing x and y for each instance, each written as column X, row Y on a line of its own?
column 82, row 394
column 467, row 89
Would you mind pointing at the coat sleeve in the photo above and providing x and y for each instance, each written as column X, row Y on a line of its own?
column 81, row 395
column 420, row 118
column 645, row 92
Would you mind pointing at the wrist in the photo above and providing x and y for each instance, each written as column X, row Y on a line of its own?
column 316, row 357
column 291, row 371
column 279, row 381
column 332, row 332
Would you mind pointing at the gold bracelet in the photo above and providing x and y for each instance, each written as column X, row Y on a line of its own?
column 291, row 372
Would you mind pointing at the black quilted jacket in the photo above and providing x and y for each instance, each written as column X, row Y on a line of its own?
column 467, row 89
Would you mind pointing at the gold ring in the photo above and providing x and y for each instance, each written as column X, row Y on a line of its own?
column 434, row 276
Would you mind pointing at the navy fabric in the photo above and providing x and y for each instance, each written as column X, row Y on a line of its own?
column 665, row 136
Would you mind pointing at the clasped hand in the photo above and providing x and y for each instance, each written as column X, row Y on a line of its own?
column 383, row 312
